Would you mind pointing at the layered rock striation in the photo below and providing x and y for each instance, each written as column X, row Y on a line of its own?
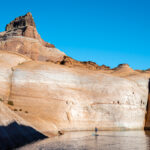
column 62, row 98
column 70, row 62
column 15, row 131
column 21, row 36
column 53, row 92
column 22, row 21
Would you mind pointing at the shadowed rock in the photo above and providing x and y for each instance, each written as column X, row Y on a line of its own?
column 15, row 131
column 147, row 123
column 22, row 21
column 15, row 135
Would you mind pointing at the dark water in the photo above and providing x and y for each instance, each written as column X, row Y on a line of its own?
column 107, row 140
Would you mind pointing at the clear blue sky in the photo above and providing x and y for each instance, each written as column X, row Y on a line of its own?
column 107, row 32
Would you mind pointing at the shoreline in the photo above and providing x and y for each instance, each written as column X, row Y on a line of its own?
column 84, row 137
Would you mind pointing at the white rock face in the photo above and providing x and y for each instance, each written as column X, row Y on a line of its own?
column 68, row 95
column 62, row 98
column 7, row 61
column 14, row 130
column 55, row 97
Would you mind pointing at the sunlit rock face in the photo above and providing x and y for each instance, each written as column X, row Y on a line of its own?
column 62, row 98
column 54, row 92
column 21, row 36
column 7, row 61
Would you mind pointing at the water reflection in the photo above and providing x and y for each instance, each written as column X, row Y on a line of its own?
column 107, row 140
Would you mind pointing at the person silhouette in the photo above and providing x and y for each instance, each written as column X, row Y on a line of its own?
column 96, row 130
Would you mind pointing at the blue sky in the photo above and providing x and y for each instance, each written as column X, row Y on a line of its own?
column 107, row 32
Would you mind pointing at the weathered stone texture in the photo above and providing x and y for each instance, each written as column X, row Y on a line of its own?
column 22, row 21
column 62, row 98
column 60, row 93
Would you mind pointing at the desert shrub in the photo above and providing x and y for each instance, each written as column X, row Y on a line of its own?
column 20, row 109
column 15, row 109
column 1, row 100
column 26, row 112
column 10, row 103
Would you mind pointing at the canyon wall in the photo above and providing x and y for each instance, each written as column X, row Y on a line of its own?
column 15, row 131
column 53, row 92
column 62, row 98
column 7, row 61
column 147, row 123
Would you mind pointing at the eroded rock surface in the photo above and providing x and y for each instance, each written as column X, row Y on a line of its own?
column 54, row 97
column 21, row 36
column 22, row 21
column 62, row 98
column 68, row 61
column 54, row 92
column 7, row 61
column 15, row 131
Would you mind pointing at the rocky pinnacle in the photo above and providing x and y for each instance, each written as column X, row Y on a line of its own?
column 19, row 22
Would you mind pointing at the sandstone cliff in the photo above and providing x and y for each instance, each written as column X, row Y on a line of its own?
column 62, row 98
column 7, row 61
column 15, row 132
column 53, row 92
column 21, row 36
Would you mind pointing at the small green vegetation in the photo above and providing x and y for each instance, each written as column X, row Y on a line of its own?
column 10, row 103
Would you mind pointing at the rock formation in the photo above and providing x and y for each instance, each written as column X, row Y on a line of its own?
column 53, row 92
column 21, row 36
column 7, row 61
column 68, row 61
column 63, row 98
column 21, row 21
column 147, row 124
column 15, row 132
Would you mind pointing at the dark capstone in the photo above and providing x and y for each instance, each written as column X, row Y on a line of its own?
column 22, row 21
